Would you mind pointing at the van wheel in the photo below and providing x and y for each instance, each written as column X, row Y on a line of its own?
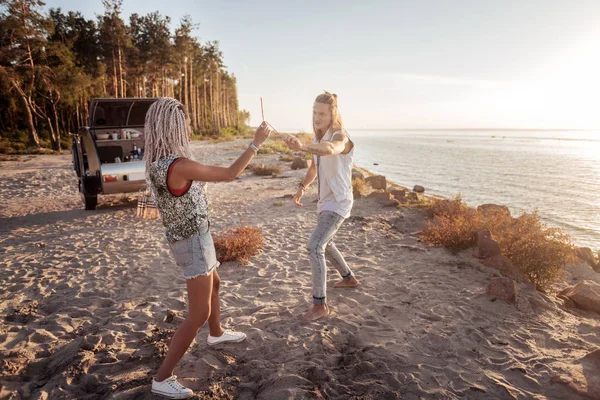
column 90, row 202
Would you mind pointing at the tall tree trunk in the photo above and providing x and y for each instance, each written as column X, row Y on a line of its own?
column 190, row 106
column 227, row 113
column 78, row 115
column 193, row 100
column 115, row 77
column 179, row 79
column 186, row 77
column 122, row 80
column 212, row 107
column 24, row 13
column 205, row 103
column 216, row 104
column 57, row 129
column 54, row 141
column 218, row 98
column 188, row 100
column 164, row 91
column 197, row 106
column 64, row 126
column 224, row 102
column 34, row 139
column 227, row 109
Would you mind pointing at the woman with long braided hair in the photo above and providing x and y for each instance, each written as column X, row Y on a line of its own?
column 333, row 157
column 177, row 183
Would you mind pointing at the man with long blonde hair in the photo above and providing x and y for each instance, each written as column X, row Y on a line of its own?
column 333, row 157
column 177, row 183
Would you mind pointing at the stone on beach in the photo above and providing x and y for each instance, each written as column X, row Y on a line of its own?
column 582, row 377
column 585, row 295
column 356, row 174
column 419, row 192
column 503, row 264
column 487, row 247
column 377, row 182
column 399, row 194
column 503, row 288
column 380, row 194
column 300, row 163
column 586, row 254
column 389, row 203
column 488, row 210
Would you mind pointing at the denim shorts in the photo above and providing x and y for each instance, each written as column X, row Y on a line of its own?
column 196, row 255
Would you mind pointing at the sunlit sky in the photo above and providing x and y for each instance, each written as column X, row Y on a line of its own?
column 404, row 63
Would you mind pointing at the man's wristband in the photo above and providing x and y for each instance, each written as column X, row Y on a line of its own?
column 302, row 185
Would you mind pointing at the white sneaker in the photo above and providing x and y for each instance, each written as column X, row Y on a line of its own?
column 227, row 337
column 171, row 389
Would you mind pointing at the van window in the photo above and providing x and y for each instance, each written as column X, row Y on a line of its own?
column 137, row 116
column 111, row 114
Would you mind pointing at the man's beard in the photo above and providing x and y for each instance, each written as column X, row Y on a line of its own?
column 319, row 133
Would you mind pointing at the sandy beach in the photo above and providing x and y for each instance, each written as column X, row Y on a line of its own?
column 89, row 301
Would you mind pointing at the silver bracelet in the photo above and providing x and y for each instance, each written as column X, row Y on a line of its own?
column 253, row 147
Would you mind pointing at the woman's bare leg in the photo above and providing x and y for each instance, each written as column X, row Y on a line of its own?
column 199, row 302
column 214, row 321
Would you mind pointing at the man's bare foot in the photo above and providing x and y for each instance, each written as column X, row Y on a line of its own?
column 317, row 311
column 346, row 283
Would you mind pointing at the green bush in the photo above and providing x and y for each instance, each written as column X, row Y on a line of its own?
column 16, row 136
column 228, row 132
column 66, row 143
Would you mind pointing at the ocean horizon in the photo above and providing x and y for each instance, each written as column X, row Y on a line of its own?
column 556, row 174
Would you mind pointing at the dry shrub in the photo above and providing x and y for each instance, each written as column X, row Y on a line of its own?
column 221, row 139
column 6, row 149
column 359, row 187
column 266, row 170
column 12, row 147
column 453, row 227
column 446, row 207
column 286, row 158
column 538, row 251
column 239, row 244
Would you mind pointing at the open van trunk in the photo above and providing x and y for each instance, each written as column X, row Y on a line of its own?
column 103, row 152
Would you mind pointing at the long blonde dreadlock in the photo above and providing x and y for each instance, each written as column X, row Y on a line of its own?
column 167, row 131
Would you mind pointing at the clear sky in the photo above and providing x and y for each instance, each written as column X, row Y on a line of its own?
column 403, row 63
